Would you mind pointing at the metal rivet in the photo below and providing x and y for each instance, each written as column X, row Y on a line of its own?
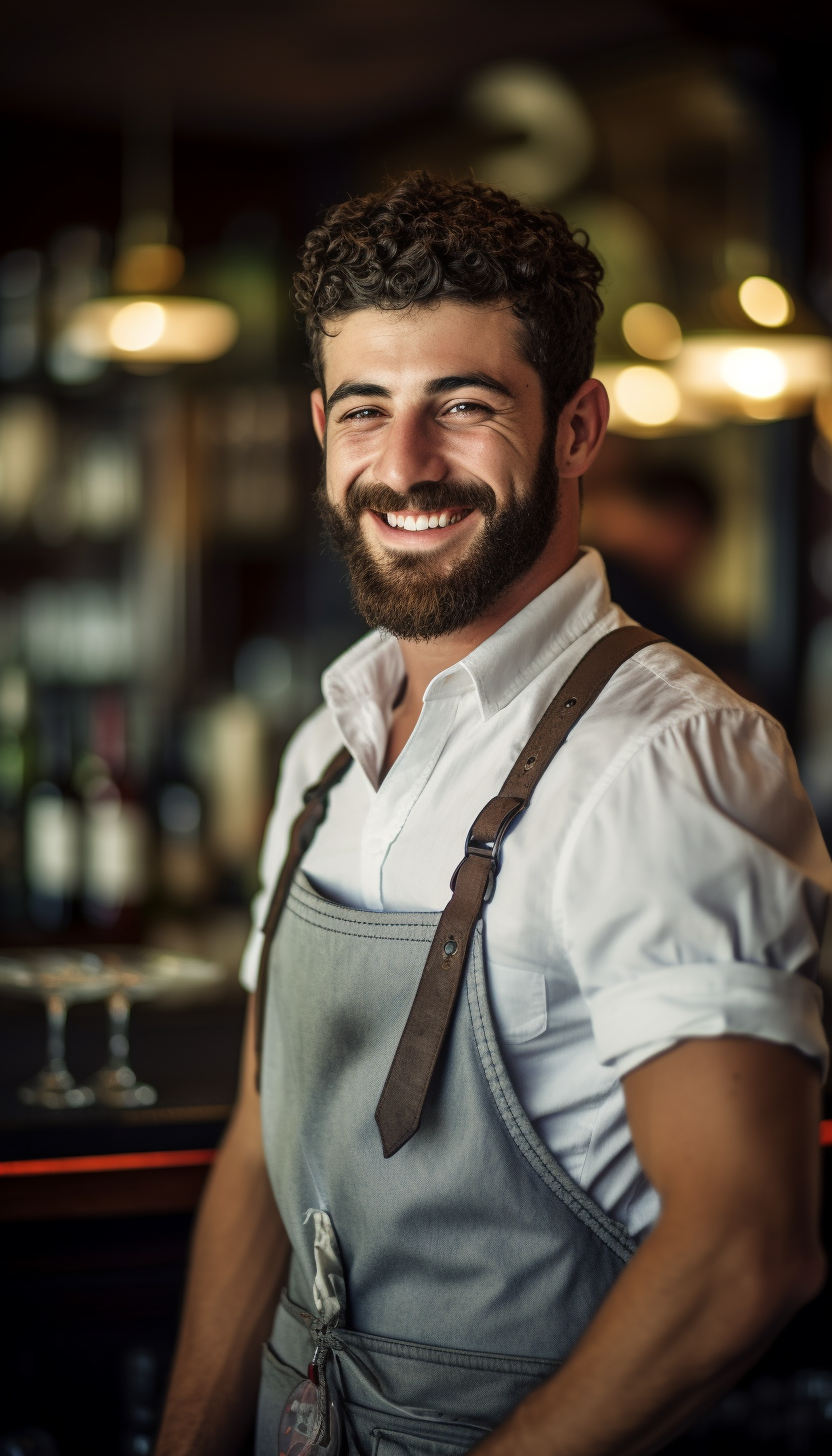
column 529, row 762
column 450, row 947
column 571, row 703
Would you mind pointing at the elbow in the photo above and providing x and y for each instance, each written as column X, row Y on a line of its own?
column 805, row 1277
column 773, row 1286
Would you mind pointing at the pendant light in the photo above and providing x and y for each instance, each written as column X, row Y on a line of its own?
column 158, row 329
column 769, row 360
column 145, row 323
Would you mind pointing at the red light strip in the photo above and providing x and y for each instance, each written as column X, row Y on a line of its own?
column 186, row 1158
column 108, row 1163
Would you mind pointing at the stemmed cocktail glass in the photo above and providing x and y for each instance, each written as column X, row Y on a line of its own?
column 59, row 979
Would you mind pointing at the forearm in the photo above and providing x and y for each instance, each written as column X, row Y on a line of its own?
column 726, row 1130
column 238, row 1265
column 677, row 1330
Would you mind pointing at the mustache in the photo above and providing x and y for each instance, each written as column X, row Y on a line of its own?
column 425, row 496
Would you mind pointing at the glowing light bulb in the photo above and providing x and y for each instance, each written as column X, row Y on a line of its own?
column 647, row 396
column 170, row 330
column 765, row 302
column 652, row 331
column 754, row 373
column 137, row 326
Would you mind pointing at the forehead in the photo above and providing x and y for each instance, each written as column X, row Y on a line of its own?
column 398, row 347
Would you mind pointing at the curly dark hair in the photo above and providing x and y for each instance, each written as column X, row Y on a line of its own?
column 424, row 238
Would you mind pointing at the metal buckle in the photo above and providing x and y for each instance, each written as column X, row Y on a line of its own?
column 488, row 849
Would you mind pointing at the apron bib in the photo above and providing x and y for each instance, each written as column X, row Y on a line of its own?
column 470, row 1263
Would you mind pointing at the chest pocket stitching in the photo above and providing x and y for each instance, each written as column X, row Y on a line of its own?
column 297, row 906
column 609, row 1233
column 358, row 934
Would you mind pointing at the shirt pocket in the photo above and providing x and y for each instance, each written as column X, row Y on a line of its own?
column 518, row 1003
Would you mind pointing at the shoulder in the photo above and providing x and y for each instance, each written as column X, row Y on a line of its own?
column 668, row 743
column 306, row 755
column 308, row 752
column 664, row 706
column 663, row 687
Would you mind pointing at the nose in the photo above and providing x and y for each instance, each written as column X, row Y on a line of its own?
column 410, row 453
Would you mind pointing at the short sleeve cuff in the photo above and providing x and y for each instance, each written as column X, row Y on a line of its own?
column 635, row 1021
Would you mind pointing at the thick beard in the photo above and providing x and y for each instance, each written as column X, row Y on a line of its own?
column 416, row 597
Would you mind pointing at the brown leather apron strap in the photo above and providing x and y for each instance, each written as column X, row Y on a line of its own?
column 303, row 832
column 400, row 1106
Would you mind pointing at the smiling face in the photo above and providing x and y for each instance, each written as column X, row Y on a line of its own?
column 440, row 485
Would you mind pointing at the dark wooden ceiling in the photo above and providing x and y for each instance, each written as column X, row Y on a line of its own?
column 313, row 67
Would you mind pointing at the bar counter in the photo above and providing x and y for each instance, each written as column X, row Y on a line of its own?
column 100, row 1162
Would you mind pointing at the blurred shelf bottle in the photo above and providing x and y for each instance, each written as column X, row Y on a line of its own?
column 52, row 822
column 16, row 766
column 116, row 829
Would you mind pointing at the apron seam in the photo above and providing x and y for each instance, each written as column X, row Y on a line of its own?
column 344, row 1336
column 554, row 1178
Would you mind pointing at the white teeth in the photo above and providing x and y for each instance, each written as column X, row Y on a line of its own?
column 423, row 523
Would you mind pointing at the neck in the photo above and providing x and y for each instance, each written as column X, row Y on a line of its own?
column 423, row 660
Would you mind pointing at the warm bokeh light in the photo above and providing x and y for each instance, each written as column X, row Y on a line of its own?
column 137, row 326
column 823, row 414
column 766, row 302
column 647, row 396
column 754, row 373
column 167, row 330
column 652, row 331
column 724, row 372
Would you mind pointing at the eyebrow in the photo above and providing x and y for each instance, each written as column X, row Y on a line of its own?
column 357, row 389
column 465, row 381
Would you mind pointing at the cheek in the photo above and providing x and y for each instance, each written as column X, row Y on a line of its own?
column 347, row 461
column 487, row 458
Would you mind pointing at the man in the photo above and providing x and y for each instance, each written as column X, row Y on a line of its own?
column 594, row 1201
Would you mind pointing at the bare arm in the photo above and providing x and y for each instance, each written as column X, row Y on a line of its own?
column 238, row 1265
column 727, row 1131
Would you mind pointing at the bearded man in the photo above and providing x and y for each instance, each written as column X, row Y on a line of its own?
column 527, row 1165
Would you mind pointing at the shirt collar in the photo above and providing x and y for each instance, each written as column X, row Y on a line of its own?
column 505, row 663
column 363, row 682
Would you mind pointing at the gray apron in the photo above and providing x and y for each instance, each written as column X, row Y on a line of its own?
column 471, row 1261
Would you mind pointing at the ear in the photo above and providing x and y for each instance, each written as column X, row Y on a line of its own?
column 581, row 429
column 316, row 400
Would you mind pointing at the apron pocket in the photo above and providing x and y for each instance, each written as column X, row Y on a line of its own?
column 277, row 1381
column 400, row 1443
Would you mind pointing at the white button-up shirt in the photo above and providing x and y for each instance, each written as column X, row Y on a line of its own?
column 667, row 881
